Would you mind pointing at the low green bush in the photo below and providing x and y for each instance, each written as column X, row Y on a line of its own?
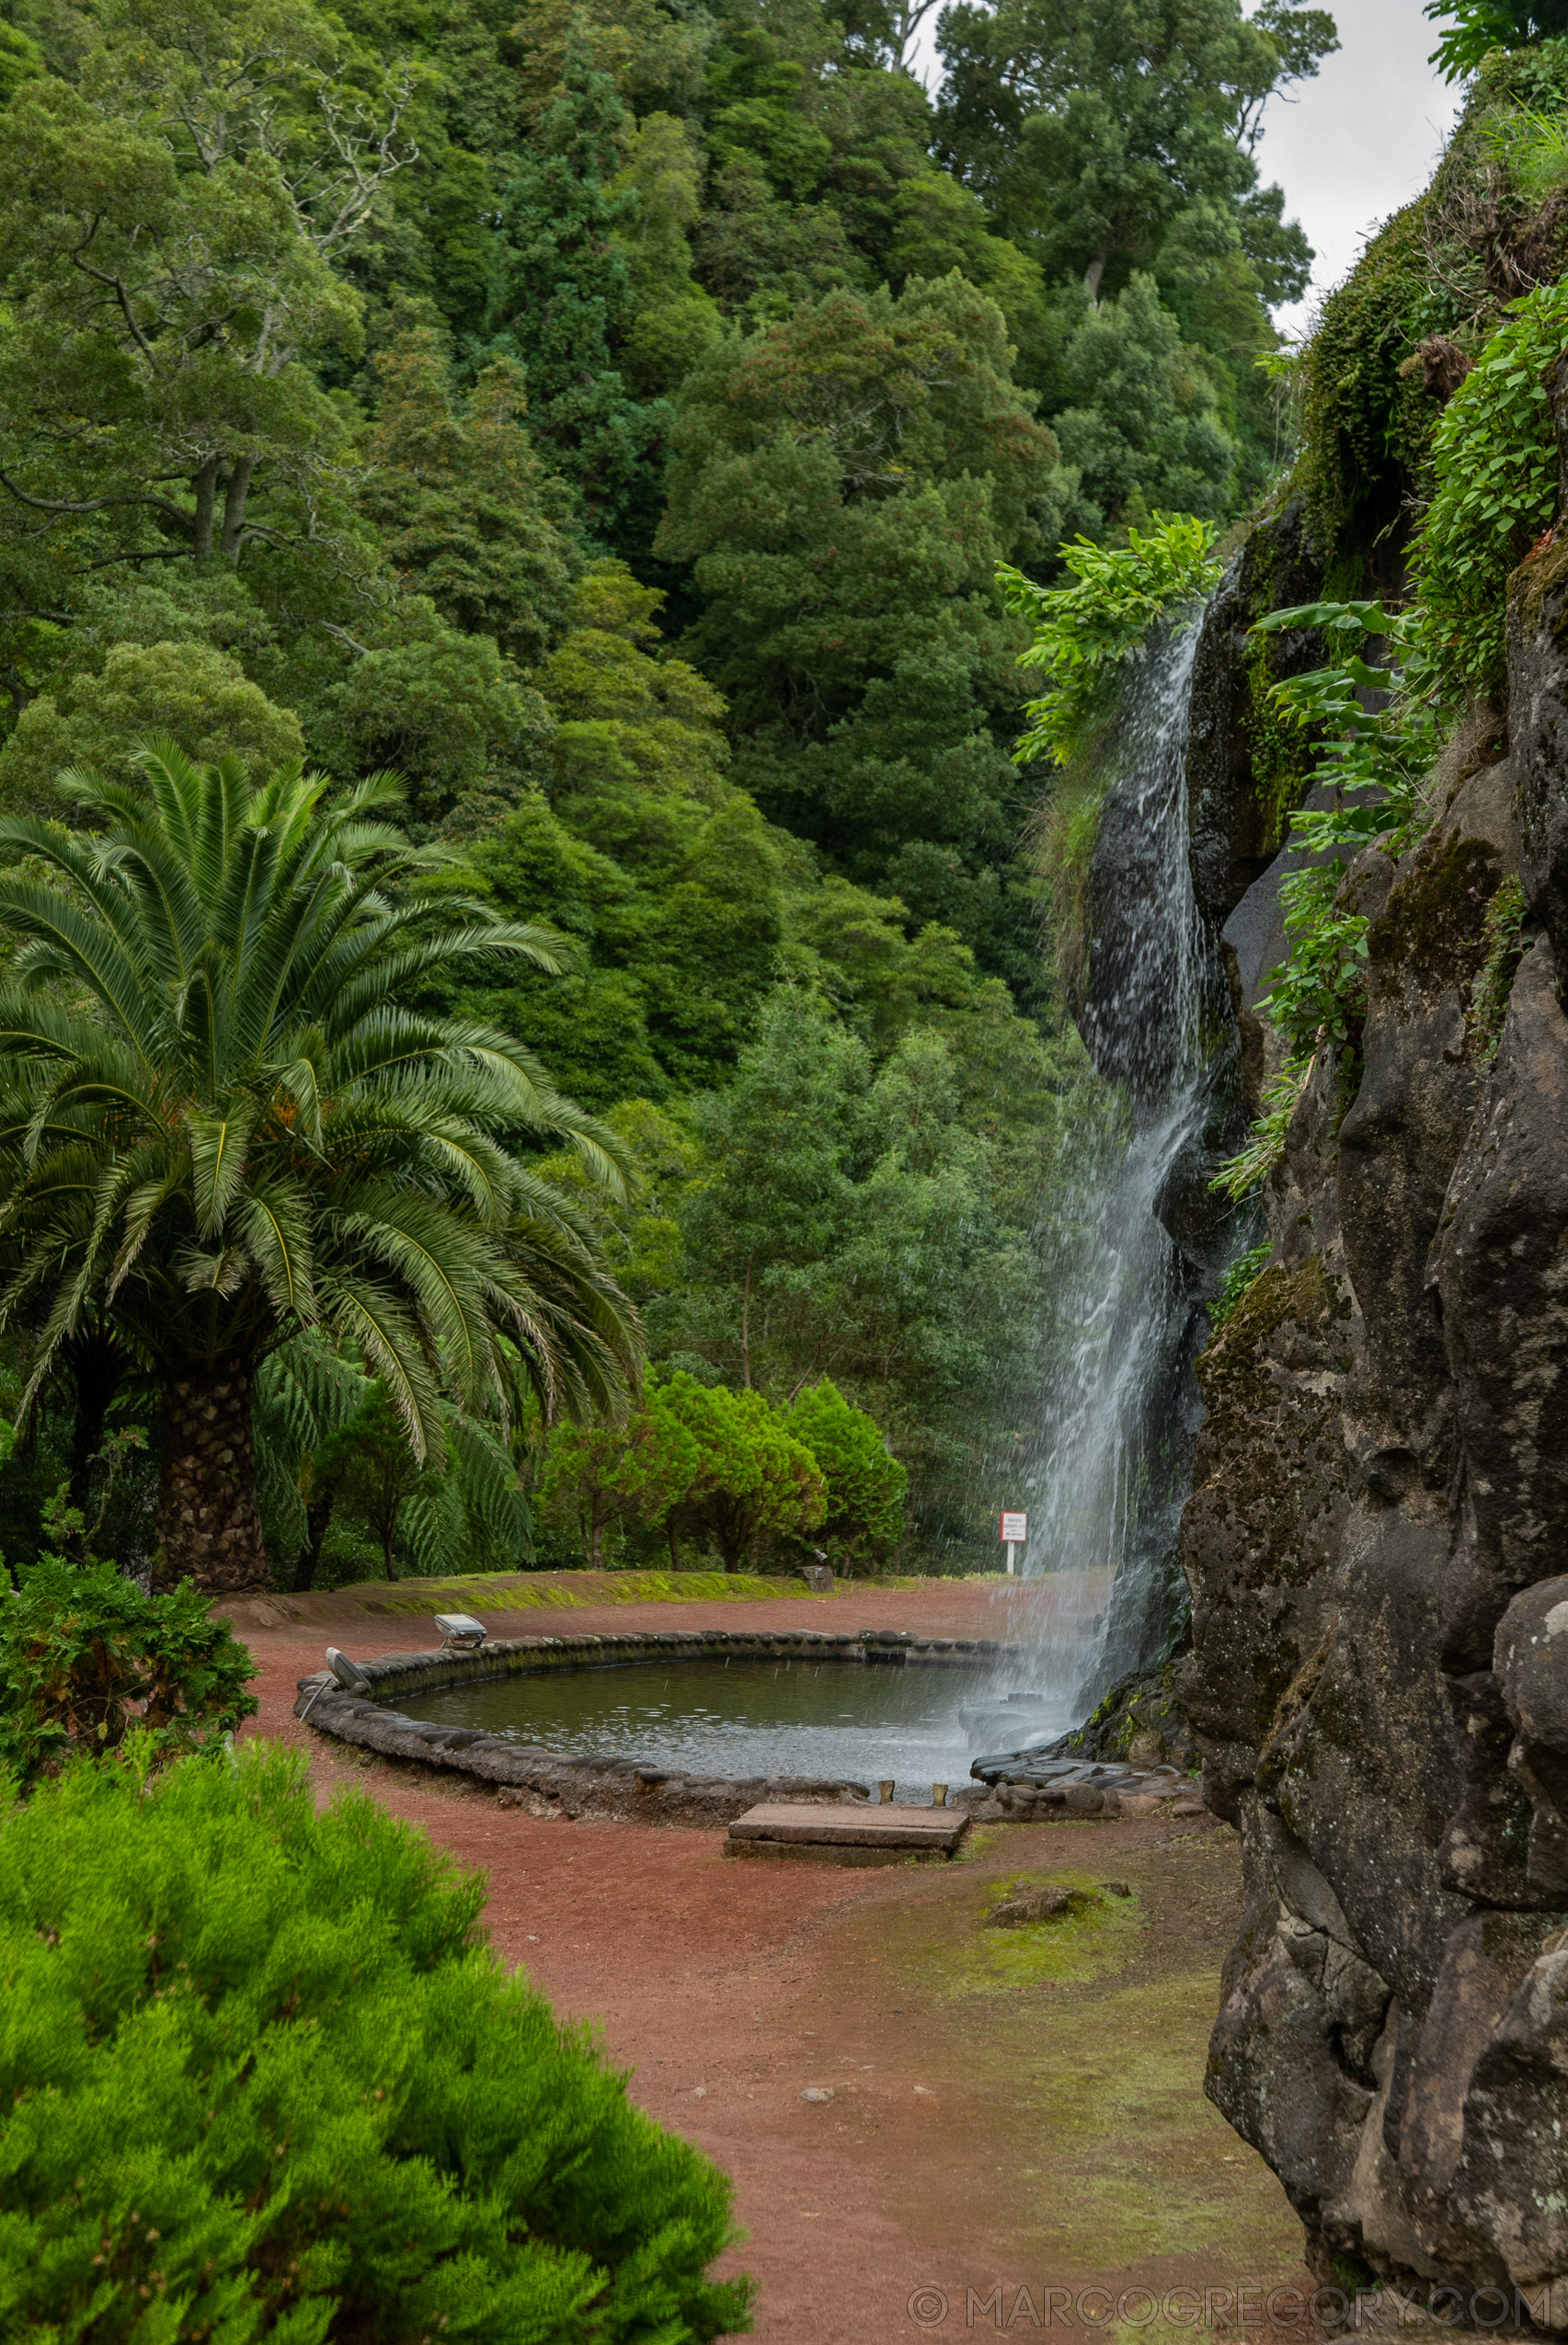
column 259, row 2078
column 85, row 1657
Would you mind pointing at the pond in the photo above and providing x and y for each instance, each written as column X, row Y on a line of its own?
column 917, row 1725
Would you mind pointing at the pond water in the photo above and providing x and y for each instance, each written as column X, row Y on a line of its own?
column 742, row 1718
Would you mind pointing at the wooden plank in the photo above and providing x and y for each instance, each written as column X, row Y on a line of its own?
column 817, row 1852
column 853, row 1827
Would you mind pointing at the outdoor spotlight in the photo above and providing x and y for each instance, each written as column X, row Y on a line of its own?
column 460, row 1629
column 352, row 1680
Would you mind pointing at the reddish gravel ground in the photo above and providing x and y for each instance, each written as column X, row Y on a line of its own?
column 996, row 2118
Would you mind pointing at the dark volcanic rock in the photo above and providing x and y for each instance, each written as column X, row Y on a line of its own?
column 1234, row 834
column 1375, row 1548
column 1260, row 1533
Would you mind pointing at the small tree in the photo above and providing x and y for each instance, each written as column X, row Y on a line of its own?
column 864, row 1485
column 581, row 1483
column 662, row 1462
column 709, row 1461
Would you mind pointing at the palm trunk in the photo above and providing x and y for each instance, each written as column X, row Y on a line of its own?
column 208, row 1530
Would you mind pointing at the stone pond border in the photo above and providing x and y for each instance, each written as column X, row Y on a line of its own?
column 545, row 1782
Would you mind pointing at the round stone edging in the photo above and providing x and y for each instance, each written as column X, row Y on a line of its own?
column 547, row 1783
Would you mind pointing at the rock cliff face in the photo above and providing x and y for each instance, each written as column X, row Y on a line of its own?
column 1377, row 1542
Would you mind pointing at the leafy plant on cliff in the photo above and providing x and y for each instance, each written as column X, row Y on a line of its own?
column 1316, row 996
column 1085, row 637
column 1494, row 491
column 269, row 2082
column 1242, row 1273
column 1373, row 759
column 1480, row 25
column 1247, row 1171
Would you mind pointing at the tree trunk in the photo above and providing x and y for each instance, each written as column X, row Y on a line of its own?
column 208, row 1527
column 732, row 1528
column 318, row 1522
column 1093, row 275
column 235, row 491
column 206, row 487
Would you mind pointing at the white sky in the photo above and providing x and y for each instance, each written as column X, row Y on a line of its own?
column 1361, row 140
column 1351, row 146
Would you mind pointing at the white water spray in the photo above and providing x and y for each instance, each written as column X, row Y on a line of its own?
column 1120, row 1410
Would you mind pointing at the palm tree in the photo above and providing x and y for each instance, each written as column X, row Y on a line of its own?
column 224, row 1119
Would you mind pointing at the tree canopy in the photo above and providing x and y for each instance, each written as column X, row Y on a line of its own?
column 611, row 418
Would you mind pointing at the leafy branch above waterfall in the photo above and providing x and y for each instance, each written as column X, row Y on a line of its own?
column 1085, row 634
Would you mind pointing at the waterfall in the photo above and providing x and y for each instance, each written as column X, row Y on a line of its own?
column 1120, row 1412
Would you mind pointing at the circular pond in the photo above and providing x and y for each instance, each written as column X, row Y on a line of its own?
column 739, row 1718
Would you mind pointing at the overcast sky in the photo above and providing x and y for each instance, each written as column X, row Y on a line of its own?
column 1353, row 145
column 1361, row 140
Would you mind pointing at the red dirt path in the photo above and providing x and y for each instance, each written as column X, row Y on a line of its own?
column 725, row 1989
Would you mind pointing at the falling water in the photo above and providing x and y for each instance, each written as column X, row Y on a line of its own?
column 1120, row 1410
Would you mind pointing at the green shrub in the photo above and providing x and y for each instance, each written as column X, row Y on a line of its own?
column 1244, row 1272
column 1241, row 1174
column 866, row 1487
column 259, row 2078
column 85, row 1657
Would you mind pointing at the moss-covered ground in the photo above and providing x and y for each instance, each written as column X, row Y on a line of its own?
column 493, row 1592
column 1068, row 2059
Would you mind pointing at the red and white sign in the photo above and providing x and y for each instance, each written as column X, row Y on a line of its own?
column 1014, row 1529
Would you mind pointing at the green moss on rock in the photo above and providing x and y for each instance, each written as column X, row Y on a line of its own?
column 1434, row 924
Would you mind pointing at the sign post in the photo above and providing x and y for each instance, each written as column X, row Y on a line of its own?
column 1014, row 1534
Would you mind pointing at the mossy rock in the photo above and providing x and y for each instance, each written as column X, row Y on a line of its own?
column 1139, row 1721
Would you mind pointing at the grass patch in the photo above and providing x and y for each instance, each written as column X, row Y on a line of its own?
column 1132, row 2159
column 979, row 1842
column 1079, row 1946
column 518, row 1591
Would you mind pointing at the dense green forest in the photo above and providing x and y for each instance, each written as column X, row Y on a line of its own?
column 611, row 420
